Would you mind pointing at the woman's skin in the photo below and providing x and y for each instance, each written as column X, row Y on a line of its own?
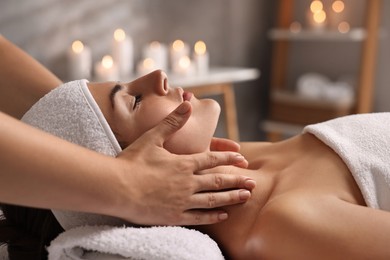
column 40, row 170
column 306, row 204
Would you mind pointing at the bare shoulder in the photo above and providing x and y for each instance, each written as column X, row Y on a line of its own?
column 297, row 226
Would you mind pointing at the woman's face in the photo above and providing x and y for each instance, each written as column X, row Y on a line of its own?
column 135, row 107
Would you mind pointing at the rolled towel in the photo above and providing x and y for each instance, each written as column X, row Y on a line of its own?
column 363, row 143
column 104, row 242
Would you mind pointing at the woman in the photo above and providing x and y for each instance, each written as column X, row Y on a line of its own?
column 25, row 173
column 308, row 205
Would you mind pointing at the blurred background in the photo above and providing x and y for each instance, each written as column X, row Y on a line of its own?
column 285, row 46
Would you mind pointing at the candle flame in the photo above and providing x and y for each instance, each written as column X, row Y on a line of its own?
column 178, row 45
column 338, row 6
column 119, row 35
column 107, row 62
column 184, row 62
column 148, row 63
column 343, row 27
column 200, row 48
column 316, row 6
column 77, row 46
column 319, row 17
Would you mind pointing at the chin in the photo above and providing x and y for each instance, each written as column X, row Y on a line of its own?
column 196, row 134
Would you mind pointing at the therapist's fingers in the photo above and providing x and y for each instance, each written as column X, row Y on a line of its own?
column 208, row 160
column 199, row 217
column 210, row 200
column 215, row 182
column 222, row 144
column 171, row 124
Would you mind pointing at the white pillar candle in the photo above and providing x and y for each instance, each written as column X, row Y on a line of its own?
column 79, row 61
column 123, row 53
column 158, row 52
column 146, row 66
column 184, row 66
column 178, row 50
column 201, row 58
column 106, row 70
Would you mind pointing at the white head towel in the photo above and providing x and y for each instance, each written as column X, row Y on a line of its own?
column 70, row 112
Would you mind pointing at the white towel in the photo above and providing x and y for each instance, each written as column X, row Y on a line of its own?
column 104, row 242
column 70, row 112
column 363, row 142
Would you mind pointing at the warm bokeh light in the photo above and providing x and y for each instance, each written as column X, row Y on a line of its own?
column 148, row 63
column 200, row 48
column 77, row 46
column 119, row 35
column 295, row 27
column 316, row 6
column 319, row 17
column 184, row 62
column 107, row 62
column 338, row 6
column 155, row 45
column 178, row 45
column 344, row 27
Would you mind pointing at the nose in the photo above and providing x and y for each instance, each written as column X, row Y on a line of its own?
column 159, row 82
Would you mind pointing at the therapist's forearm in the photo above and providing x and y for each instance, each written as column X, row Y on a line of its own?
column 40, row 170
column 23, row 80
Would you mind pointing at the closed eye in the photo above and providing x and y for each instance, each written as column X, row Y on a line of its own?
column 138, row 99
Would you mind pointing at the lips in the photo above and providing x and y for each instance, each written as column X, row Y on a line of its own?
column 187, row 96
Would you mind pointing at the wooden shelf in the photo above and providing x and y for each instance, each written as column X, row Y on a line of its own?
column 287, row 108
column 293, row 108
column 356, row 34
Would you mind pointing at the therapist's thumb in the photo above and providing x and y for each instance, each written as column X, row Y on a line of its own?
column 172, row 123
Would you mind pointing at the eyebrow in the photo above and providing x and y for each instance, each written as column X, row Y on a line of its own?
column 113, row 91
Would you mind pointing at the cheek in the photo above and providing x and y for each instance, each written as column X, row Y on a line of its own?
column 148, row 116
column 196, row 134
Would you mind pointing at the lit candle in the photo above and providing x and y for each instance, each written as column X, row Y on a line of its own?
column 122, row 52
column 316, row 15
column 184, row 66
column 178, row 50
column 106, row 70
column 158, row 52
column 337, row 15
column 343, row 27
column 201, row 58
column 146, row 66
column 79, row 61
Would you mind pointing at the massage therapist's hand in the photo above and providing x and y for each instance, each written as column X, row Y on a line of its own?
column 164, row 189
column 222, row 144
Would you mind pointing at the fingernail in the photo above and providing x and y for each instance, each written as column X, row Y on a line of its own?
column 244, row 194
column 239, row 157
column 250, row 184
column 222, row 216
column 183, row 108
